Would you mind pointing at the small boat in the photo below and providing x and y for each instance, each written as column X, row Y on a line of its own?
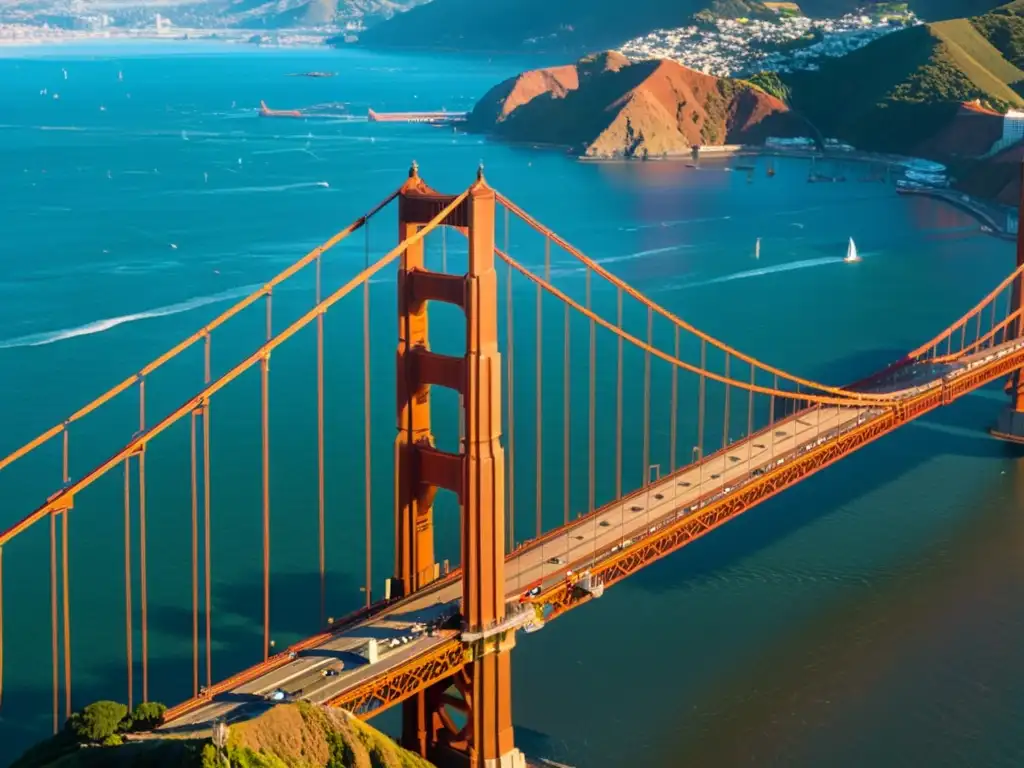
column 266, row 111
column 851, row 252
column 757, row 249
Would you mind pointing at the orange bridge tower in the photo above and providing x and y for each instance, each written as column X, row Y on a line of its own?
column 1010, row 425
column 465, row 720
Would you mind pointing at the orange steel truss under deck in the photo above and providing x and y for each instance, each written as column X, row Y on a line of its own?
column 440, row 641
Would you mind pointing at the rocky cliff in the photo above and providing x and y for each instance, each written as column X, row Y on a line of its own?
column 606, row 106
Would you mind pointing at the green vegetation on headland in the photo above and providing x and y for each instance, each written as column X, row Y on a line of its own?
column 297, row 735
column 900, row 90
column 574, row 27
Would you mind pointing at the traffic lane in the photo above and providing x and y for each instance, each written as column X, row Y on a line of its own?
column 398, row 657
column 627, row 520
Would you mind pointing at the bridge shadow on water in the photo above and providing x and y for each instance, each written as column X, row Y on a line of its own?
column 955, row 430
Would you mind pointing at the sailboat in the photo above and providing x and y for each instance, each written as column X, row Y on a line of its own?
column 851, row 252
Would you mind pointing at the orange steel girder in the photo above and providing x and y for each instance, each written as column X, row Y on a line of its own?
column 476, row 475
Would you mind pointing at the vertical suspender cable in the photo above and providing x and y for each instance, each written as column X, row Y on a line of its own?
column 673, row 419
column 539, row 427
column 195, row 562
column 366, row 422
column 771, row 412
column 143, row 591
column 509, row 330
column 462, row 400
column 593, row 397
column 128, row 576
column 566, row 423
column 65, row 576
column 647, row 397
column 321, row 546
column 618, row 400
column 265, row 423
column 700, row 400
column 725, row 420
column 206, row 515
column 265, row 428
column 750, row 403
column 53, row 618
column 67, row 613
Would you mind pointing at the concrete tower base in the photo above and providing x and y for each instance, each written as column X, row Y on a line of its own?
column 449, row 758
column 1009, row 426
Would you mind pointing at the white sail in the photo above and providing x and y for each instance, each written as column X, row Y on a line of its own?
column 851, row 252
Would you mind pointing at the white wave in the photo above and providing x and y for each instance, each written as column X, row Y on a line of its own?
column 675, row 223
column 62, row 128
column 616, row 259
column 274, row 188
column 791, row 266
column 143, row 268
column 99, row 326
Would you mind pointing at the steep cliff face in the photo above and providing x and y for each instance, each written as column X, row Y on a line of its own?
column 605, row 106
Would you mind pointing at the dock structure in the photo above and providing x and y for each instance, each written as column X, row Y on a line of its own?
column 415, row 117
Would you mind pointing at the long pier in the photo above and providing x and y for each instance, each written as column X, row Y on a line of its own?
column 966, row 204
column 415, row 117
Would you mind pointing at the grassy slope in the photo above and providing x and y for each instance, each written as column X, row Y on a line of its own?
column 890, row 94
column 978, row 59
column 287, row 736
column 1005, row 31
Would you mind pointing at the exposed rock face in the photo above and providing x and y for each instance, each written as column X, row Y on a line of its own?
column 606, row 106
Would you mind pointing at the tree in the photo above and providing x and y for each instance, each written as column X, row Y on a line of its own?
column 148, row 715
column 98, row 720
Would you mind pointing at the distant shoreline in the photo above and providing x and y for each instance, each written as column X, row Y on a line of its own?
column 186, row 36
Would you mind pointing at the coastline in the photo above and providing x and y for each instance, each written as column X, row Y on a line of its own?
column 982, row 211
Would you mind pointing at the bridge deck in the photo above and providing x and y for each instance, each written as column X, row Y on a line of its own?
column 576, row 546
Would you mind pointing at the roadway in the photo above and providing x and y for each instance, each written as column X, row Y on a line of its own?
column 576, row 546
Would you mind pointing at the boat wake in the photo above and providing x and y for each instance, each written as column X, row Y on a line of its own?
column 99, row 326
column 618, row 259
column 274, row 188
column 746, row 274
column 675, row 223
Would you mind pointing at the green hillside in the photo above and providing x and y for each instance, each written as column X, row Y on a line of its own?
column 902, row 88
column 581, row 26
column 977, row 58
column 1004, row 29
column 285, row 736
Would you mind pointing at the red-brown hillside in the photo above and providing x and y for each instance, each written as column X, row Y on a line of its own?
column 606, row 106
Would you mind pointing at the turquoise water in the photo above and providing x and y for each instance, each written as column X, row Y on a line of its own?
column 867, row 615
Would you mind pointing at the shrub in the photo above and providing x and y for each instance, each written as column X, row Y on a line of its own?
column 98, row 720
column 147, row 716
column 113, row 740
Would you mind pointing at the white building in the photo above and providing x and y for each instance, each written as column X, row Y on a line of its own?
column 1013, row 126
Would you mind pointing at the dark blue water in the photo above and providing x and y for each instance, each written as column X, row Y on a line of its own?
column 868, row 615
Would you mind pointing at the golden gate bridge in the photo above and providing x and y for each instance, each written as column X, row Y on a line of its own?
column 439, row 640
